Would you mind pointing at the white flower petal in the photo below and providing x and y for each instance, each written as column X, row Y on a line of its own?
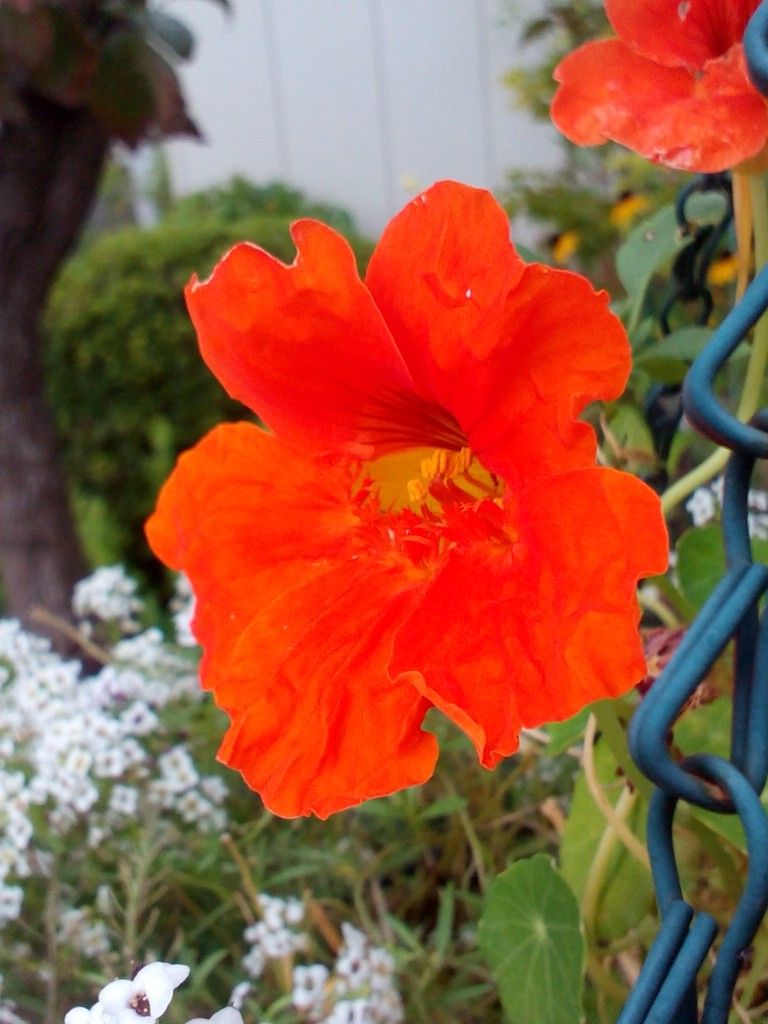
column 157, row 981
column 78, row 1015
column 116, row 996
column 130, row 1016
column 229, row 1015
column 177, row 973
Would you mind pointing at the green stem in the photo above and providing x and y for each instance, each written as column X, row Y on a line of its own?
column 756, row 367
column 598, row 869
column 653, row 603
column 51, row 917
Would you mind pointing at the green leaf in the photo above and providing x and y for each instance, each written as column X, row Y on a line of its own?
column 443, row 807
column 441, row 936
column 564, row 734
column 656, row 240
column 627, row 895
column 669, row 359
column 631, row 433
column 530, row 935
column 700, row 562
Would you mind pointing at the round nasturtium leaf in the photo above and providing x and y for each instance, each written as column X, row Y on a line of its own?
column 530, row 935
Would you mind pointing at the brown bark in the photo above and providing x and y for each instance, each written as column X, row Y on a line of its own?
column 49, row 172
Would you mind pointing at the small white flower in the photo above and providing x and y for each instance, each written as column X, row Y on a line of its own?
column 146, row 997
column 701, row 506
column 254, row 962
column 240, row 993
column 229, row 1015
column 79, row 1015
column 309, row 987
column 11, row 897
column 124, row 800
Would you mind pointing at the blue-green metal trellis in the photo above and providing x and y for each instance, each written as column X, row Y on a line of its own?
column 666, row 989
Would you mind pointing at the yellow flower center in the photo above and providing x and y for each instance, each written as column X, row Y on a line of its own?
column 424, row 477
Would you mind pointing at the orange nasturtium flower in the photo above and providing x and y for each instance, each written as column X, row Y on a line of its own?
column 673, row 86
column 423, row 524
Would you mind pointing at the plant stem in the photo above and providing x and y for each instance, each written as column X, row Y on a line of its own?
column 623, row 832
column 652, row 602
column 744, row 228
column 593, row 887
column 758, row 357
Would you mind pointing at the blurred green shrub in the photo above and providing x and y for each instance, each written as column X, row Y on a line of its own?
column 126, row 380
column 240, row 198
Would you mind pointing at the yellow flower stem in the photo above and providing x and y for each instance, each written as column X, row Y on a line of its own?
column 758, row 357
column 653, row 603
column 743, row 225
column 598, row 870
column 601, row 798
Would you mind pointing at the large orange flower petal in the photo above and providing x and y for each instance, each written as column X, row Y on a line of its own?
column 705, row 122
column 685, row 33
column 505, row 641
column 305, row 347
column 320, row 724
column 243, row 515
column 296, row 619
column 536, row 344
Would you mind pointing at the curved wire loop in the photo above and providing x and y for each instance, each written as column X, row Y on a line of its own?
column 666, row 989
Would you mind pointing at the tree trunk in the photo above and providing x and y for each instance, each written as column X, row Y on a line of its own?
column 49, row 172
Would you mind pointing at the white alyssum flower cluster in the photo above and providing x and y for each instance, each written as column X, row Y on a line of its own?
column 108, row 595
column 360, row 988
column 705, row 506
column 76, row 750
column 183, row 608
column 276, row 935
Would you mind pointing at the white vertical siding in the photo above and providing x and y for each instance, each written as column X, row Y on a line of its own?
column 355, row 101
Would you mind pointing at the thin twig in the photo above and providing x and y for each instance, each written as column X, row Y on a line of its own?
column 47, row 618
column 615, row 821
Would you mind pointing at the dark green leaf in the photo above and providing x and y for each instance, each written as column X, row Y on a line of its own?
column 700, row 562
column 530, row 935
